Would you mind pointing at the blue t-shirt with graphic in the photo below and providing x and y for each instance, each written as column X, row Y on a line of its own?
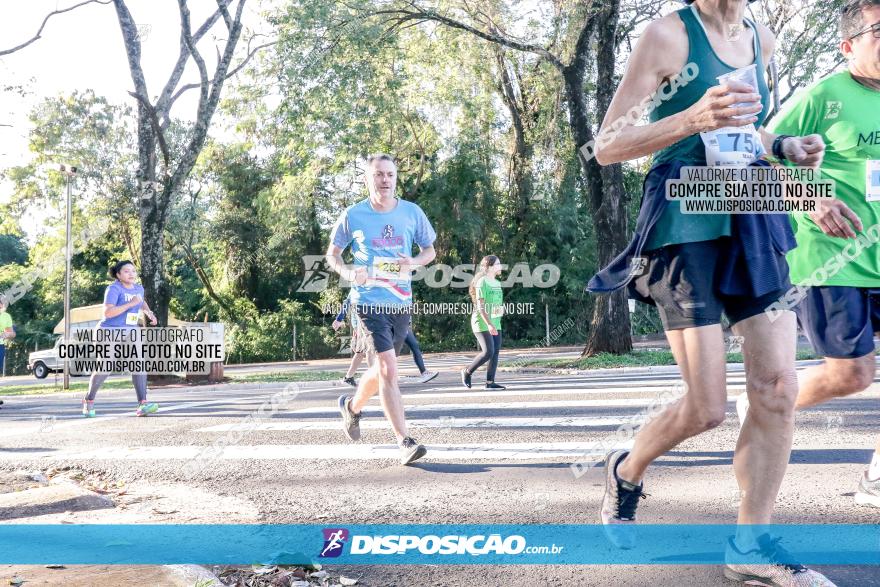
column 376, row 238
column 118, row 295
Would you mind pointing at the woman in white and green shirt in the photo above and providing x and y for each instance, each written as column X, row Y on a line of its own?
column 486, row 320
column 7, row 332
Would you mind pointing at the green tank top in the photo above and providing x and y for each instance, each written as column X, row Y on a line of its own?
column 673, row 227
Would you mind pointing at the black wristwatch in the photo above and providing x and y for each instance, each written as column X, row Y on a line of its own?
column 777, row 147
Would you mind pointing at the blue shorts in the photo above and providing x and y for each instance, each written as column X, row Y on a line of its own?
column 840, row 321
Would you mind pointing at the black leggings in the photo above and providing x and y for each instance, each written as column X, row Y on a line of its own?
column 490, row 346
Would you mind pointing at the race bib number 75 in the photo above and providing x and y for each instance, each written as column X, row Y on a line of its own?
column 732, row 146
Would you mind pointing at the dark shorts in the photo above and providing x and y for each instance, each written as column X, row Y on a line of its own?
column 682, row 280
column 840, row 321
column 380, row 330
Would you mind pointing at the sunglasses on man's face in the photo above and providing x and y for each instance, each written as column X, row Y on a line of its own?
column 874, row 28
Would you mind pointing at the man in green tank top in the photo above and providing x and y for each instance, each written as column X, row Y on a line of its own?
column 837, row 260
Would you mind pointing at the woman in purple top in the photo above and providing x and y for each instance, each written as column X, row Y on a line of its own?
column 123, row 303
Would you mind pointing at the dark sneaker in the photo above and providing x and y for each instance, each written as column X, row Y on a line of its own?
column 769, row 564
column 868, row 492
column 465, row 378
column 351, row 422
column 494, row 385
column 350, row 381
column 619, row 504
column 410, row 451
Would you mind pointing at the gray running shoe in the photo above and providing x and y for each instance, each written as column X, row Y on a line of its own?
column 427, row 376
column 410, row 451
column 774, row 566
column 351, row 422
column 619, row 504
column 868, row 492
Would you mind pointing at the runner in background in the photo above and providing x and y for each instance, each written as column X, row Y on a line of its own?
column 488, row 301
column 381, row 231
column 358, row 353
column 412, row 342
column 7, row 333
column 694, row 267
column 123, row 302
column 841, row 315
column 358, row 357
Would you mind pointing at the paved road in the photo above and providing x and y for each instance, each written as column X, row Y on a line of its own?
column 494, row 457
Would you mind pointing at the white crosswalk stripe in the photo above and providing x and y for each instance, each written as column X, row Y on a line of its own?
column 442, row 423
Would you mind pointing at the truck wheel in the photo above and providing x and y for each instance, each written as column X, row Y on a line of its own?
column 41, row 371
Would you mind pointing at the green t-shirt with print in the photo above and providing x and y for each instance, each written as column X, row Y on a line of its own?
column 5, row 322
column 847, row 116
column 489, row 291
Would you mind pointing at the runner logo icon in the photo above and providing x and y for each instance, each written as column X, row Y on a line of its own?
column 334, row 541
column 316, row 277
column 832, row 109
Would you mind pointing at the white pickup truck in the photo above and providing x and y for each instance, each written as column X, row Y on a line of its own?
column 41, row 363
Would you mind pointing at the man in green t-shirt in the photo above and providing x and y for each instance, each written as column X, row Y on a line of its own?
column 6, row 331
column 840, row 306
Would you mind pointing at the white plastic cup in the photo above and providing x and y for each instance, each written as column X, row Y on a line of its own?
column 747, row 75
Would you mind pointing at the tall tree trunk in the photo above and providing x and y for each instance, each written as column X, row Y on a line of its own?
column 156, row 289
column 609, row 326
column 522, row 149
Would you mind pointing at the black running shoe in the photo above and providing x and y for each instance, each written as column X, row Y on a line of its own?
column 769, row 564
column 493, row 385
column 465, row 378
column 351, row 422
column 350, row 381
column 410, row 451
column 619, row 504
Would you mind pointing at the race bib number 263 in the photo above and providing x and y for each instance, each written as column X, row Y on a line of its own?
column 387, row 268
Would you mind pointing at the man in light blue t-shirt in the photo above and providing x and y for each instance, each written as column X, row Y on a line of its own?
column 381, row 231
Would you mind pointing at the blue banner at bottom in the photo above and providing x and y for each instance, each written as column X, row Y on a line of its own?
column 32, row 544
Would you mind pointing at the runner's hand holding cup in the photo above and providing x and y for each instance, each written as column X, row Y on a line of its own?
column 733, row 103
